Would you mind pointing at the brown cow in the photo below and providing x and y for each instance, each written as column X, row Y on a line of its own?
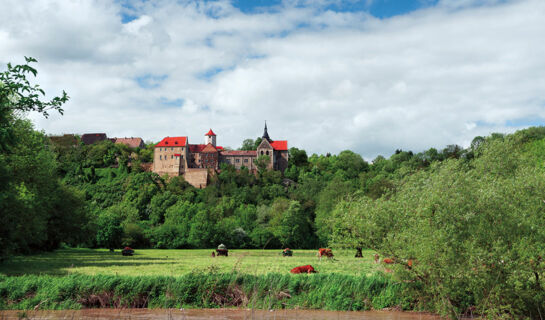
column 325, row 252
column 388, row 260
column 303, row 269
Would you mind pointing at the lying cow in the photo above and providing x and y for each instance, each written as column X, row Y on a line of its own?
column 303, row 269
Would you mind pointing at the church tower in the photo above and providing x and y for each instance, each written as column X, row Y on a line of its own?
column 210, row 137
column 266, row 134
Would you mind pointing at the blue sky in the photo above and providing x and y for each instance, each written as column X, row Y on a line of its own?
column 325, row 74
column 377, row 8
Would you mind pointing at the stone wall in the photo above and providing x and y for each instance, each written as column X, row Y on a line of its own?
column 166, row 162
column 196, row 177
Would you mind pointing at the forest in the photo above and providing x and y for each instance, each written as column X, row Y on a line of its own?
column 465, row 225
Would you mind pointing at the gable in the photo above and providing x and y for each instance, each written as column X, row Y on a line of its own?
column 265, row 145
column 209, row 148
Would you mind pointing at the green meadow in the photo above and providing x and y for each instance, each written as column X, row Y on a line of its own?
column 150, row 262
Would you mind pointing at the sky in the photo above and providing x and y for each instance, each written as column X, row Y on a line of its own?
column 370, row 76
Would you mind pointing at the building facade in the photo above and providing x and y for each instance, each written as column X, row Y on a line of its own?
column 174, row 156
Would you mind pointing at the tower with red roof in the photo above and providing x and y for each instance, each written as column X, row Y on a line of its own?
column 210, row 137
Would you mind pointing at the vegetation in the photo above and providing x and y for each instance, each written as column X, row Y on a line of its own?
column 38, row 211
column 155, row 262
column 464, row 227
column 473, row 228
column 203, row 290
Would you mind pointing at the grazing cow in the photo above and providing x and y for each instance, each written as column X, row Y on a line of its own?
column 213, row 254
column 325, row 252
column 303, row 269
column 388, row 260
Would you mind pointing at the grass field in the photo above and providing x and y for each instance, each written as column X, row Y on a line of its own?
column 152, row 262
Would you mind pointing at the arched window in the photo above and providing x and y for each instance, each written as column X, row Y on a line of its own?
column 261, row 152
column 267, row 152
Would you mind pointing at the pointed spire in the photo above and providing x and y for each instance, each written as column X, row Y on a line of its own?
column 265, row 133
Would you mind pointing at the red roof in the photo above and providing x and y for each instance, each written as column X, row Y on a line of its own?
column 280, row 145
column 239, row 153
column 131, row 142
column 197, row 148
column 172, row 142
column 210, row 133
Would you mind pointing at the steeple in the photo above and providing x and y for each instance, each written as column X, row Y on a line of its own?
column 266, row 134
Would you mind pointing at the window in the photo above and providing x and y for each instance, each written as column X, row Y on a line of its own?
column 261, row 152
column 182, row 156
column 245, row 160
column 172, row 148
column 171, row 157
column 238, row 160
column 160, row 157
column 267, row 152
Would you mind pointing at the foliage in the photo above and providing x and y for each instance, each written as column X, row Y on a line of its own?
column 203, row 290
column 38, row 212
column 473, row 229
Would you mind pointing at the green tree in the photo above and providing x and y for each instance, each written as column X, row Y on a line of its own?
column 110, row 231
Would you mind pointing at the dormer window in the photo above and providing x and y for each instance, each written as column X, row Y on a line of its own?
column 166, row 142
column 175, row 142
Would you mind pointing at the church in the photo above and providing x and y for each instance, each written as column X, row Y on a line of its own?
column 175, row 156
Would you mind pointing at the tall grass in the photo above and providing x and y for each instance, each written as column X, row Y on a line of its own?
column 204, row 290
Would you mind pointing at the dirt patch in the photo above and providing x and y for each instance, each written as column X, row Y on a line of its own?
column 232, row 297
column 110, row 300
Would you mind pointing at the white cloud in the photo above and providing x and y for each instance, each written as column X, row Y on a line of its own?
column 324, row 80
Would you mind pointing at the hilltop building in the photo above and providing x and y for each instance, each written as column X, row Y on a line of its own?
column 130, row 142
column 174, row 156
column 90, row 138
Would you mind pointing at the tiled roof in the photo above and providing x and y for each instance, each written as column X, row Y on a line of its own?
column 209, row 148
column 197, row 148
column 251, row 153
column 90, row 138
column 210, row 133
column 172, row 142
column 131, row 142
column 280, row 145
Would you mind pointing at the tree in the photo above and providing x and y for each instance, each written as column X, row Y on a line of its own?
column 248, row 144
column 34, row 213
column 110, row 231
column 18, row 95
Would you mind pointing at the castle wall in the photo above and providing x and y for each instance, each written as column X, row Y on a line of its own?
column 196, row 177
column 166, row 161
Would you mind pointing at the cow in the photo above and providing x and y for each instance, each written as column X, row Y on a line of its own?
column 377, row 258
column 325, row 252
column 303, row 269
column 388, row 261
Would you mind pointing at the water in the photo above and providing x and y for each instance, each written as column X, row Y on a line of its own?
column 213, row 314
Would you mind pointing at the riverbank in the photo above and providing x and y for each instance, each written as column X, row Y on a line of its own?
column 205, row 290
column 210, row 314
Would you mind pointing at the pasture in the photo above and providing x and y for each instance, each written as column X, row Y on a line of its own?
column 156, row 262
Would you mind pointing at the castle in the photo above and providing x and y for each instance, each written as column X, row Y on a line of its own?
column 174, row 156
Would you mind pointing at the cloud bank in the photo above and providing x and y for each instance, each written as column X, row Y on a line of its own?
column 325, row 80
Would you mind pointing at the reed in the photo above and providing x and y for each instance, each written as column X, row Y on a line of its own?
column 204, row 290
